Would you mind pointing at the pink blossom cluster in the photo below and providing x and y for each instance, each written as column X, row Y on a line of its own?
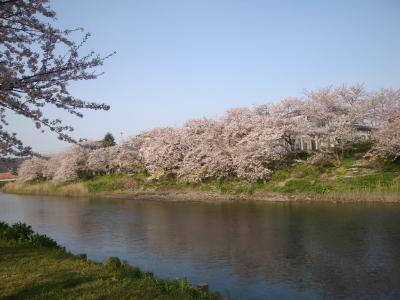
column 82, row 161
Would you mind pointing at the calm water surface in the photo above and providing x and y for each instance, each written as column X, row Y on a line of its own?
column 243, row 250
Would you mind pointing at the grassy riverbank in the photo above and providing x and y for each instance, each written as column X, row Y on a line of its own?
column 352, row 180
column 32, row 266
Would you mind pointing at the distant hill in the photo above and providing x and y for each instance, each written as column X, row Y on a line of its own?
column 10, row 164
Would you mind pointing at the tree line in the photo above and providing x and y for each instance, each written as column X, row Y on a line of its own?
column 248, row 143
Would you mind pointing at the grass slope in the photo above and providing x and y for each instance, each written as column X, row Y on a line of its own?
column 33, row 266
column 354, row 179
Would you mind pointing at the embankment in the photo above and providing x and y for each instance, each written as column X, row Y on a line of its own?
column 351, row 181
column 33, row 266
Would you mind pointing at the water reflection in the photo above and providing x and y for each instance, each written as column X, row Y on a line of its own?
column 246, row 250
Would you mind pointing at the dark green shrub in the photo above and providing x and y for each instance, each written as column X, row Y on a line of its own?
column 328, row 164
column 303, row 154
column 113, row 262
column 23, row 233
column 41, row 240
column 133, row 271
column 19, row 232
column 359, row 148
column 3, row 226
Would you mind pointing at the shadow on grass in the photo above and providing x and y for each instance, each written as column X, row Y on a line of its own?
column 58, row 284
column 45, row 276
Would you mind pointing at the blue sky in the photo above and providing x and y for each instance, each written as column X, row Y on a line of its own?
column 188, row 59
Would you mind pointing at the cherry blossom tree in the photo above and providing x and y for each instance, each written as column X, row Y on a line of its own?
column 388, row 139
column 99, row 161
column 337, row 116
column 252, row 141
column 52, row 165
column 289, row 116
column 162, row 149
column 385, row 105
column 206, row 152
column 242, row 143
column 73, row 164
column 263, row 148
column 37, row 62
column 125, row 158
column 31, row 169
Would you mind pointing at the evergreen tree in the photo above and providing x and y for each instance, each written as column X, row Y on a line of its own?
column 108, row 140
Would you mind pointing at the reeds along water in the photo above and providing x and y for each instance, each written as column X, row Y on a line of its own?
column 48, row 188
column 379, row 193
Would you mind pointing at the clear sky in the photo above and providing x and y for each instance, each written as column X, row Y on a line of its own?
column 178, row 60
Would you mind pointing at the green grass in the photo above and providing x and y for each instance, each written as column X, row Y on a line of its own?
column 305, row 170
column 107, row 183
column 281, row 175
column 43, row 270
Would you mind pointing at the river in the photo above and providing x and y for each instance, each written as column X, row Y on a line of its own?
column 244, row 250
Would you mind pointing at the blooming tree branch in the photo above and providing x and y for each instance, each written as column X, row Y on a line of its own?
column 37, row 62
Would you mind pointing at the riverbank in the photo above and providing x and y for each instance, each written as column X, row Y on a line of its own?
column 33, row 266
column 354, row 180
